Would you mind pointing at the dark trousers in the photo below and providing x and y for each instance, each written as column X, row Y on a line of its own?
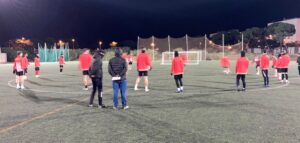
column 299, row 69
column 178, row 80
column 97, row 85
column 265, row 74
column 61, row 67
column 241, row 77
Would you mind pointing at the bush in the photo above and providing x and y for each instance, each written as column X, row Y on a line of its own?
column 12, row 53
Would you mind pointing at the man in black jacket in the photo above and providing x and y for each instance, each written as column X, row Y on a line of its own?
column 117, row 68
column 96, row 74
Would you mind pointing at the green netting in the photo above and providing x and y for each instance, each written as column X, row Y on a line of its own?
column 52, row 54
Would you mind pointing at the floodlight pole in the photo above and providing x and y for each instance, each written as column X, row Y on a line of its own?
column 138, row 43
column 153, row 45
column 242, row 41
column 205, row 47
column 169, row 43
column 223, row 43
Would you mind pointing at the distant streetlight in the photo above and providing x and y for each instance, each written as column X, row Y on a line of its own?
column 61, row 43
column 73, row 41
column 153, row 46
column 100, row 44
column 114, row 44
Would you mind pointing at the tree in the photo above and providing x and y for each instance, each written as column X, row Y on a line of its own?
column 254, row 33
column 230, row 37
column 280, row 31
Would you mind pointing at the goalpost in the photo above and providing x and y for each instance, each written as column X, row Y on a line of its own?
column 190, row 57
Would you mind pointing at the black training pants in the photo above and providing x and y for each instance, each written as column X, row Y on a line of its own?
column 97, row 85
column 178, row 80
column 265, row 74
column 241, row 77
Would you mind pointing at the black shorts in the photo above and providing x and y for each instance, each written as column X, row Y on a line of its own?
column 278, row 70
column 180, row 76
column 25, row 71
column 86, row 72
column 284, row 70
column 143, row 73
column 37, row 68
column 21, row 73
column 130, row 63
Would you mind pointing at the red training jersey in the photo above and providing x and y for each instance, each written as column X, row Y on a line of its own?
column 177, row 67
column 264, row 62
column 18, row 64
column 25, row 62
column 61, row 60
column 85, row 60
column 143, row 62
column 274, row 61
column 225, row 63
column 242, row 65
column 285, row 61
column 37, row 62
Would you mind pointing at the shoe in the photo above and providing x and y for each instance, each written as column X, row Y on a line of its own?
column 22, row 87
column 244, row 89
column 136, row 89
column 91, row 105
column 115, row 108
column 18, row 87
column 147, row 90
column 101, row 106
column 126, row 107
column 178, row 91
column 85, row 89
column 287, row 82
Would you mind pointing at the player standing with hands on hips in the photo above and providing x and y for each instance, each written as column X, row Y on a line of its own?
column 241, row 70
column 177, row 69
column 19, row 71
column 143, row 63
column 264, row 64
column 85, row 61
column 61, row 63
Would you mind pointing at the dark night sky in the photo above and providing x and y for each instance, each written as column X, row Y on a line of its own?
column 91, row 20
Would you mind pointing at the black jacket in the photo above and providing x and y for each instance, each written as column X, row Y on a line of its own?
column 298, row 60
column 95, row 70
column 117, row 66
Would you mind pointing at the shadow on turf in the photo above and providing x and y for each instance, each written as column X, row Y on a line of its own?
column 28, row 94
column 157, row 130
column 44, row 78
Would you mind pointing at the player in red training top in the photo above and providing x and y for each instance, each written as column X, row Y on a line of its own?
column 264, row 64
column 177, row 69
column 241, row 70
column 25, row 65
column 18, row 70
column 143, row 66
column 225, row 63
column 274, row 65
column 284, row 65
column 129, row 59
column 85, row 60
column 61, row 63
column 257, row 66
column 37, row 65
